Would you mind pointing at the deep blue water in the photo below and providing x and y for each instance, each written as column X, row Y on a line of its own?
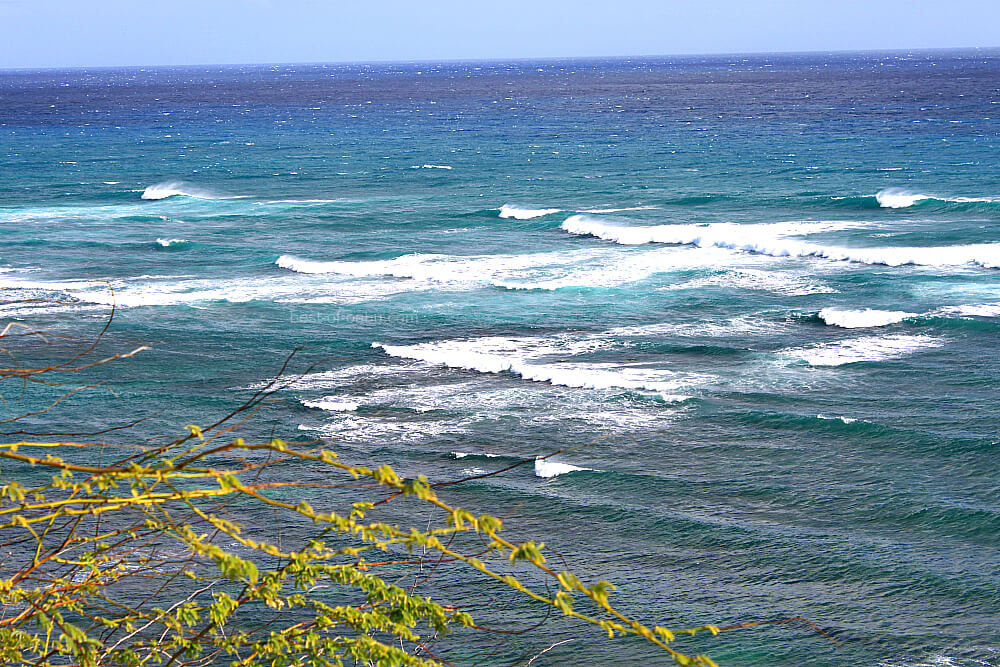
column 771, row 281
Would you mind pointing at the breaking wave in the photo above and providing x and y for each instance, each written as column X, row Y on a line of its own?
column 176, row 189
column 547, row 469
column 580, row 268
column 860, row 319
column 521, row 357
column 171, row 243
column 900, row 198
column 772, row 239
column 514, row 213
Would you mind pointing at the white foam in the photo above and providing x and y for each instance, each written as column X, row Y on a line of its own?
column 778, row 282
column 336, row 379
column 166, row 243
column 351, row 428
column 772, row 239
column 521, row 356
column 974, row 310
column 673, row 398
column 432, row 166
column 944, row 661
column 41, row 214
column 860, row 319
column 416, row 388
column 171, row 291
column 430, row 267
column 719, row 234
column 600, row 267
column 868, row 348
column 516, row 213
column 736, row 326
column 846, row 420
column 332, row 404
column 547, row 469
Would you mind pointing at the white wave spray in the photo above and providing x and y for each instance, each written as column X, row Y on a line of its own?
column 177, row 189
column 522, row 357
column 772, row 239
column 866, row 348
column 515, row 213
column 861, row 319
column 546, row 469
column 900, row 198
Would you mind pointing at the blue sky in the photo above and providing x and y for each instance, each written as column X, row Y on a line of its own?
column 68, row 33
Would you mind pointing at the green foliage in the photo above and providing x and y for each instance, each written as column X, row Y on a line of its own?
column 96, row 529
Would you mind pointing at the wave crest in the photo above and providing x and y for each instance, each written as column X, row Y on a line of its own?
column 515, row 213
column 860, row 319
column 521, row 356
column 175, row 189
column 171, row 243
column 772, row 239
column 547, row 469
column 900, row 198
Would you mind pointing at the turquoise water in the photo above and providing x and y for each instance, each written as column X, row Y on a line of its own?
column 768, row 284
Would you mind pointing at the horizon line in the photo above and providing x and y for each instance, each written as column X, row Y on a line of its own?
column 421, row 61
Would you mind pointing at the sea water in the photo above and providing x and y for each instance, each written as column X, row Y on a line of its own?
column 764, row 289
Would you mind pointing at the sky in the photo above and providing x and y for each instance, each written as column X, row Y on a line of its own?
column 70, row 33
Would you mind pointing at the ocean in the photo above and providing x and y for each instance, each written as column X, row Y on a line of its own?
column 754, row 298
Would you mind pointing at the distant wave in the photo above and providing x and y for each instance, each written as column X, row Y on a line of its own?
column 859, row 319
column 845, row 420
column 616, row 210
column 177, row 189
column 720, row 234
column 868, row 348
column 298, row 201
column 432, row 166
column 771, row 239
column 900, row 198
column 513, row 212
column 171, row 243
column 547, row 469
